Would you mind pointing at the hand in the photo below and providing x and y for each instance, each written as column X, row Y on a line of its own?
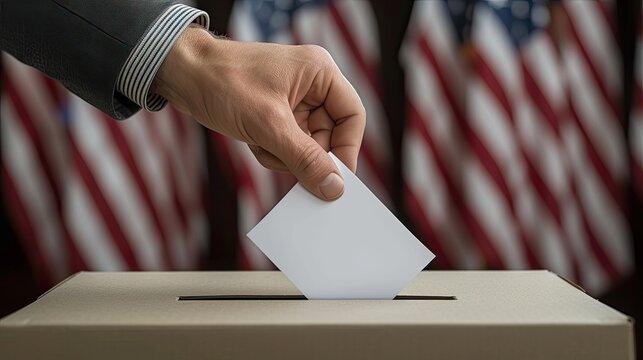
column 290, row 104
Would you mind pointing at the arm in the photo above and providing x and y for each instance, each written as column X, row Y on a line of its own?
column 290, row 104
column 82, row 43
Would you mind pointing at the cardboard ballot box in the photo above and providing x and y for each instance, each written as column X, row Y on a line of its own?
column 260, row 315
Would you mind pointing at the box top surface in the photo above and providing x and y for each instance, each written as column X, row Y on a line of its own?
column 151, row 299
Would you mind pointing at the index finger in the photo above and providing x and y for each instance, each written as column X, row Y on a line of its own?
column 345, row 107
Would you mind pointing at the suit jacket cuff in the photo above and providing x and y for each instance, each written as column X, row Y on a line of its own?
column 137, row 75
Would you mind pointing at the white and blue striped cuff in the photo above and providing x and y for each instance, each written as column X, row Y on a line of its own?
column 138, row 73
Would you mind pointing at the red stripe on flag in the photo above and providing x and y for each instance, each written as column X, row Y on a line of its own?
column 55, row 90
column 45, row 162
column 447, row 91
column 594, row 244
column 609, row 182
column 600, row 83
column 551, row 203
column 426, row 230
column 183, row 126
column 493, row 170
column 484, row 71
column 488, row 77
column 477, row 232
column 364, row 66
column 247, row 182
column 124, row 150
column 430, row 236
column 176, row 201
column 608, row 17
column 244, row 182
column 25, row 227
column 33, row 132
column 107, row 215
column 370, row 74
column 540, row 101
column 76, row 261
column 222, row 149
column 483, row 241
column 164, row 153
column 374, row 165
column 552, row 117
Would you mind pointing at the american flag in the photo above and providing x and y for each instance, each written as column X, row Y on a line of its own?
column 434, row 144
column 347, row 30
column 595, row 141
column 85, row 191
column 501, row 170
column 512, row 178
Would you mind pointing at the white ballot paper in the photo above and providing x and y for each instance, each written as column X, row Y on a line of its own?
column 350, row 248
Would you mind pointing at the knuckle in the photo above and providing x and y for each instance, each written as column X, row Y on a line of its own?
column 318, row 54
column 307, row 161
column 274, row 119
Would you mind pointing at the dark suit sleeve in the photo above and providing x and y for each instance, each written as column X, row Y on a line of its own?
column 81, row 43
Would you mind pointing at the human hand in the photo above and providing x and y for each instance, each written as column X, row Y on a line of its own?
column 290, row 104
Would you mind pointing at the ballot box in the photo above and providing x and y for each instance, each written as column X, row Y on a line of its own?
column 261, row 315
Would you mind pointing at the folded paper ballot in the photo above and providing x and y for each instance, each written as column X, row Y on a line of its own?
column 350, row 248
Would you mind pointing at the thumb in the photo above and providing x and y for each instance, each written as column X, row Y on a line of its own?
column 312, row 165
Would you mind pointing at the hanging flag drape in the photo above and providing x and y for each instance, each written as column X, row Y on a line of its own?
column 514, row 154
column 86, row 192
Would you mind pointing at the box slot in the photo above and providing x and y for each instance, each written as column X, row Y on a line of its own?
column 296, row 297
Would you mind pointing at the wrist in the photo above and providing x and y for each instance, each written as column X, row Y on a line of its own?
column 179, row 69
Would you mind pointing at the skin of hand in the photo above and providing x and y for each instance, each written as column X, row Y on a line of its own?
column 290, row 104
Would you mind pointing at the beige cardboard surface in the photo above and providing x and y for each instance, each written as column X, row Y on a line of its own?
column 497, row 315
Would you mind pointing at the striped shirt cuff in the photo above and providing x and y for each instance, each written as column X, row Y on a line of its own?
column 141, row 66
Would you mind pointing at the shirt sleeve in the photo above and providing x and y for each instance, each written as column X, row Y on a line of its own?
column 137, row 75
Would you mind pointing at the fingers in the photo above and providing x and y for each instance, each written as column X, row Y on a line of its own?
column 326, row 114
column 314, row 168
column 306, row 160
column 345, row 107
column 320, row 126
column 331, row 91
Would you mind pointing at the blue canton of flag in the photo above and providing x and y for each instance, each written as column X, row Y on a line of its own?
column 460, row 12
column 521, row 18
column 274, row 17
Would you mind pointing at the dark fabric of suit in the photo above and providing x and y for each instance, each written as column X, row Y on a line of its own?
column 81, row 43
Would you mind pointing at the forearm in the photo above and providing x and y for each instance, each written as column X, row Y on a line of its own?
column 176, row 77
column 84, row 44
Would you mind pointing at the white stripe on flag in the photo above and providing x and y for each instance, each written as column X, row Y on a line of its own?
column 598, row 40
column 20, row 160
column 359, row 18
column 600, row 123
column 486, row 205
column 116, row 183
column 85, row 223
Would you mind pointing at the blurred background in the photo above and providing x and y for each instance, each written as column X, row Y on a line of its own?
column 505, row 134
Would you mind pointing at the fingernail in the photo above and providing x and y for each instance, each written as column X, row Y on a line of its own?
column 332, row 186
